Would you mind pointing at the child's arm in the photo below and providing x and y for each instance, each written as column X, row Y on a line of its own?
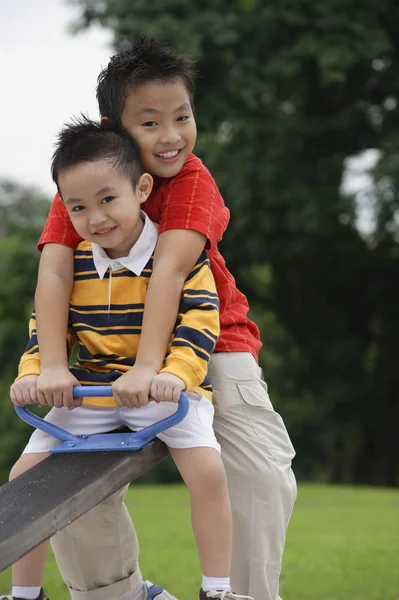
column 24, row 389
column 55, row 279
column 53, row 291
column 186, row 364
column 176, row 253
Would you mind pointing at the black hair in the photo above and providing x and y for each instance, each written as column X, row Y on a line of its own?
column 84, row 140
column 147, row 60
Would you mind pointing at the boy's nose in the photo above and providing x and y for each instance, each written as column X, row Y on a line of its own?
column 97, row 217
column 171, row 136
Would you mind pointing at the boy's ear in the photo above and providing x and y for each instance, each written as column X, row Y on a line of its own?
column 105, row 121
column 144, row 187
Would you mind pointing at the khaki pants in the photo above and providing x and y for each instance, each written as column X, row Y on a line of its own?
column 98, row 553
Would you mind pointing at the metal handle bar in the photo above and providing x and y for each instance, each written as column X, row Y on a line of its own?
column 81, row 391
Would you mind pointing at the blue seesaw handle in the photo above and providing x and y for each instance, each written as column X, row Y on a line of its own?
column 81, row 391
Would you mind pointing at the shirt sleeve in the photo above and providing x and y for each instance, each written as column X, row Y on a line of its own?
column 192, row 200
column 30, row 360
column 58, row 228
column 197, row 328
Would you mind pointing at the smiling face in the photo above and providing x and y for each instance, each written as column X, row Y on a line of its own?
column 159, row 116
column 103, row 204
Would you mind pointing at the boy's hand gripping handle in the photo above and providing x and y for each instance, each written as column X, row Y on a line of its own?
column 142, row 437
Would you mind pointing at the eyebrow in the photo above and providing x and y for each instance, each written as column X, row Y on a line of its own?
column 183, row 106
column 148, row 111
column 154, row 111
column 104, row 190
column 72, row 201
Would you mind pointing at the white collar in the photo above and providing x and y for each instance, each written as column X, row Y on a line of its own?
column 139, row 255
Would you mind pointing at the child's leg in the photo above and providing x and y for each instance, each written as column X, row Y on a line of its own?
column 98, row 553
column 203, row 472
column 28, row 570
column 193, row 446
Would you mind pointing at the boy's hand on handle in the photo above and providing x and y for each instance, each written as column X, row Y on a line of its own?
column 24, row 391
column 132, row 388
column 166, row 387
column 55, row 388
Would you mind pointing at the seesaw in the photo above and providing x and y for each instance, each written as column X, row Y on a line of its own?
column 81, row 472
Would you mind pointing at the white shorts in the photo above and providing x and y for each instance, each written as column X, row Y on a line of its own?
column 194, row 431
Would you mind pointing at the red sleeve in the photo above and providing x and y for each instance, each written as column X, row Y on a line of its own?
column 192, row 200
column 58, row 228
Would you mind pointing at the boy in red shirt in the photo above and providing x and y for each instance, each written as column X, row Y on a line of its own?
column 149, row 90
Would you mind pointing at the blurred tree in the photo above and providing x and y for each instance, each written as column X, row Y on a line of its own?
column 22, row 216
column 287, row 91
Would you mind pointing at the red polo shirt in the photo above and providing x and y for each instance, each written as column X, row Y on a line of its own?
column 190, row 200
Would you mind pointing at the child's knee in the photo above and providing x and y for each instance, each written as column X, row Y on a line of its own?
column 25, row 462
column 215, row 473
column 202, row 470
column 211, row 479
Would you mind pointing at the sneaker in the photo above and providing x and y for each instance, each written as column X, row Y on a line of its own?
column 219, row 595
column 41, row 596
column 155, row 592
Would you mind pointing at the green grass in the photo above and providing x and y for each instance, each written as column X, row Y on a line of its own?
column 343, row 544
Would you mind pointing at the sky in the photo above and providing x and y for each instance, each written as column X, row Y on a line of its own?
column 47, row 76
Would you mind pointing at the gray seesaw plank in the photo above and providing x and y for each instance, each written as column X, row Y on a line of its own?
column 45, row 499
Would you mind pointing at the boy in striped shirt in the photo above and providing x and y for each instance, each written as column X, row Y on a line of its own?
column 102, row 184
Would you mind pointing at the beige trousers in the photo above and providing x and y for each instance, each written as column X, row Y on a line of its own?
column 98, row 554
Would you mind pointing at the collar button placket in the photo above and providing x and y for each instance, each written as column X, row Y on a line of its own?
column 109, row 289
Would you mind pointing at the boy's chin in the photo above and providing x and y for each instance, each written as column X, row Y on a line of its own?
column 168, row 171
column 106, row 244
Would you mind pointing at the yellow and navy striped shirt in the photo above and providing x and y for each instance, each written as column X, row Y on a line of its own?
column 106, row 313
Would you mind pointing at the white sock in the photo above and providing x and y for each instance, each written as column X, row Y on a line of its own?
column 28, row 592
column 215, row 583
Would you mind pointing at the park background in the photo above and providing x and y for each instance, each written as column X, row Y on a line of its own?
column 297, row 113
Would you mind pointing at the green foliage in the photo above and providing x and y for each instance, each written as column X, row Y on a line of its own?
column 13, row 432
column 287, row 92
column 22, row 216
column 342, row 543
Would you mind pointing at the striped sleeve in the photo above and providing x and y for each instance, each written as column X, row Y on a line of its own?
column 30, row 360
column 197, row 327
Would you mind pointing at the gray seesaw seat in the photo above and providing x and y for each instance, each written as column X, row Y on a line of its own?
column 45, row 499
column 56, row 492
